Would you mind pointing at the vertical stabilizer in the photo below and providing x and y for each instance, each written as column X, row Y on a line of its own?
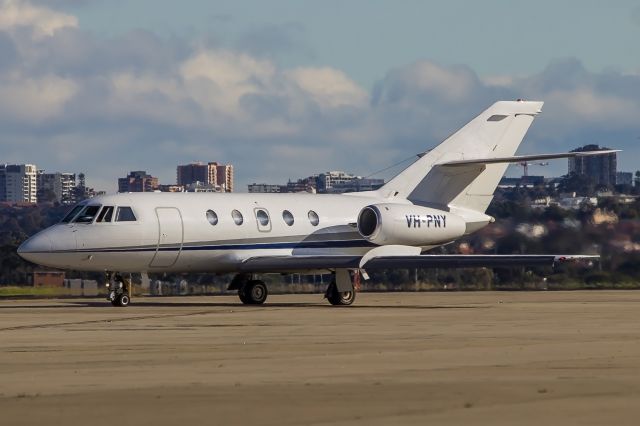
column 496, row 132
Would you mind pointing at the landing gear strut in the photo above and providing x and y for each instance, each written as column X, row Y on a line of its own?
column 250, row 291
column 119, row 289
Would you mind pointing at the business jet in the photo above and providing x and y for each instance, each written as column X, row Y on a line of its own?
column 439, row 198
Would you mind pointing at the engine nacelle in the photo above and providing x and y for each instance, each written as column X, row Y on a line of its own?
column 406, row 224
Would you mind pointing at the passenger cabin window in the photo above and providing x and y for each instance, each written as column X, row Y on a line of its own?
column 263, row 217
column 125, row 214
column 237, row 217
column 212, row 217
column 88, row 214
column 105, row 214
column 313, row 218
column 287, row 217
column 72, row 214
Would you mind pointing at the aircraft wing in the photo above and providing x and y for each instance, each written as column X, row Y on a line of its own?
column 524, row 158
column 307, row 263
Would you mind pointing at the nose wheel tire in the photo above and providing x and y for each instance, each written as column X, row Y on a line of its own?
column 254, row 292
column 121, row 300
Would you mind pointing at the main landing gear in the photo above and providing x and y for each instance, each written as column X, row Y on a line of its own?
column 341, row 291
column 250, row 291
column 119, row 289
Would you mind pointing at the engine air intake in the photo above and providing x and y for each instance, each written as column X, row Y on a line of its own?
column 368, row 221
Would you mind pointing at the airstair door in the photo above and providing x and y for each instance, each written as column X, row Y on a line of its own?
column 170, row 235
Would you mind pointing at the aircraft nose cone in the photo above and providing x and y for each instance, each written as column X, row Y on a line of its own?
column 34, row 247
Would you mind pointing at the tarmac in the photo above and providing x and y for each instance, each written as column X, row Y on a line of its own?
column 482, row 358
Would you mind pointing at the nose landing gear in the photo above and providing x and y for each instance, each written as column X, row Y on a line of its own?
column 119, row 289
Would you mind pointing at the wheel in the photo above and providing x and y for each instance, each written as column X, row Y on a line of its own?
column 338, row 298
column 242, row 295
column 114, row 302
column 253, row 292
column 123, row 300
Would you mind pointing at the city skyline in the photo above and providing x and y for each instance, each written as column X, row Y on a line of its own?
column 212, row 176
column 101, row 83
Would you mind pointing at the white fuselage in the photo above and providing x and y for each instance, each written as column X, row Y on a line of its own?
column 172, row 232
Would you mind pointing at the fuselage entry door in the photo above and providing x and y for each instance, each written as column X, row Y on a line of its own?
column 170, row 235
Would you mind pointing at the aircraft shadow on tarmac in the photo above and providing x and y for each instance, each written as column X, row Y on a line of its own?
column 318, row 305
column 70, row 304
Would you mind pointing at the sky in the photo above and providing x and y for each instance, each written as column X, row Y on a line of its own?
column 285, row 89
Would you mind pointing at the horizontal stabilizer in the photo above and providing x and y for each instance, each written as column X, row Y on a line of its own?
column 524, row 158
column 266, row 264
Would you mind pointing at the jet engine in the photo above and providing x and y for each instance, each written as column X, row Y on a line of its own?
column 407, row 224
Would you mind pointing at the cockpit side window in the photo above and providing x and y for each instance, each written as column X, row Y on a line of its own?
column 105, row 214
column 72, row 214
column 125, row 214
column 87, row 215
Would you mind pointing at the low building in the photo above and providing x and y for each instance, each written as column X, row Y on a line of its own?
column 356, row 185
column 203, row 187
column 521, row 182
column 171, row 188
column 327, row 180
column 302, row 185
column 48, row 278
column 265, row 188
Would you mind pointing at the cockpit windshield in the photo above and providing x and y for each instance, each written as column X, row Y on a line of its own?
column 72, row 214
column 87, row 215
column 105, row 214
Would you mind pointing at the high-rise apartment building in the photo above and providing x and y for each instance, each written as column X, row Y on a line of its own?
column 138, row 181
column 58, row 187
column 601, row 168
column 224, row 176
column 3, row 182
column 19, row 183
column 193, row 173
column 624, row 178
column 209, row 175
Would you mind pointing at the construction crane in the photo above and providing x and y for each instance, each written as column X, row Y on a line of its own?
column 525, row 166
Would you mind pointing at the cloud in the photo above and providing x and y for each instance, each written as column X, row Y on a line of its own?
column 72, row 101
column 32, row 100
column 39, row 21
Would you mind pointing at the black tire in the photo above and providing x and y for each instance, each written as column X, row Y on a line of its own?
column 338, row 298
column 253, row 293
column 114, row 302
column 242, row 295
column 123, row 300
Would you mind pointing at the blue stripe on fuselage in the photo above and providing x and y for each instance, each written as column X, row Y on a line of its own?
column 254, row 246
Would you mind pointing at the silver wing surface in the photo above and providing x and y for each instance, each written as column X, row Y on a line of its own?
column 312, row 263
